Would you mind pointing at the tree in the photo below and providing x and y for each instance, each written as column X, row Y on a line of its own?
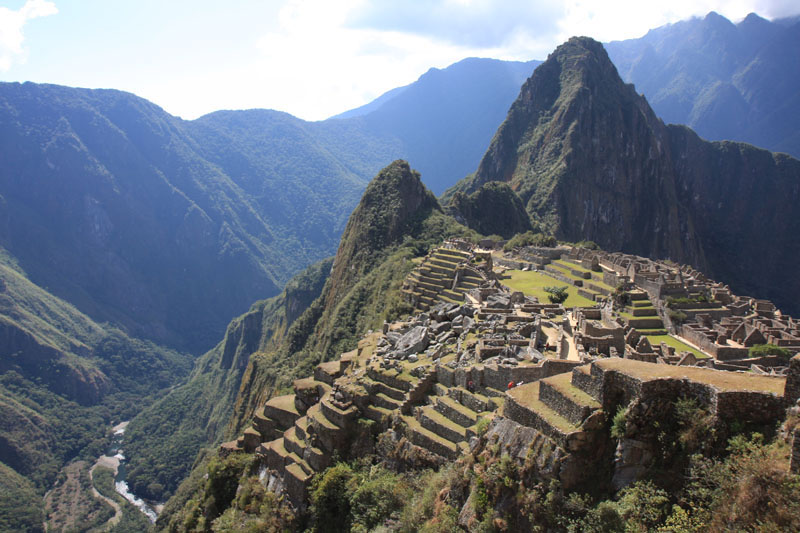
column 556, row 295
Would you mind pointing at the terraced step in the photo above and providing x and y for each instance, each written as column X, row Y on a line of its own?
column 378, row 414
column 316, row 458
column 266, row 426
column 558, row 393
column 638, row 295
column 375, row 387
column 453, row 294
column 596, row 287
column 293, row 458
column 250, row 440
column 328, row 372
column 340, row 417
column 393, row 380
column 644, row 322
column 444, row 271
column 445, row 261
column 583, row 379
column 276, row 454
column 435, row 421
column 430, row 293
column 460, row 414
column 473, row 400
column 458, row 254
column 435, row 287
column 297, row 471
column 384, row 401
column 328, row 435
column 282, row 410
column 434, row 273
column 292, row 443
column 427, row 300
column 301, row 427
column 643, row 311
column 429, row 440
column 524, row 407
column 492, row 392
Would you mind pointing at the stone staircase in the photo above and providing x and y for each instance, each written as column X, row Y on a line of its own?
column 444, row 275
column 641, row 315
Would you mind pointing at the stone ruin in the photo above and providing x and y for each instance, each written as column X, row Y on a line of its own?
column 542, row 379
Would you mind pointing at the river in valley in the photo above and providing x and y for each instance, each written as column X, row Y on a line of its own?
column 116, row 459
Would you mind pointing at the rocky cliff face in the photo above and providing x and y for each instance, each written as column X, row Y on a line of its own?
column 590, row 159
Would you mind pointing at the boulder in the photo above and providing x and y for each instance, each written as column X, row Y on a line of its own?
column 415, row 340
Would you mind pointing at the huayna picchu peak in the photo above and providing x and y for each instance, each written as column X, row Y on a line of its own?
column 591, row 161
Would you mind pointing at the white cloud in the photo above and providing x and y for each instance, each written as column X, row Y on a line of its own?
column 11, row 26
column 316, row 65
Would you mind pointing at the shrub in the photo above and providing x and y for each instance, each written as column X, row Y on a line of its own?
column 677, row 317
column 589, row 245
column 761, row 350
column 619, row 422
column 330, row 504
column 556, row 295
column 695, row 423
column 530, row 238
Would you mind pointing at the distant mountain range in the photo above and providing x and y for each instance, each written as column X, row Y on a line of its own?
column 726, row 81
column 169, row 228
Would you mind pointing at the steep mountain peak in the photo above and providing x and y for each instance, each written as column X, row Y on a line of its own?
column 394, row 201
column 577, row 96
column 578, row 139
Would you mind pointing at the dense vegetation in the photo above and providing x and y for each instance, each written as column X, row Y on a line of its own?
column 63, row 380
column 494, row 209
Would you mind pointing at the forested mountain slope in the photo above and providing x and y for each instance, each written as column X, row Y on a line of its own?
column 63, row 379
column 726, row 81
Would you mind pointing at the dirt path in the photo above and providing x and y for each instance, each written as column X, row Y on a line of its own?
column 113, row 464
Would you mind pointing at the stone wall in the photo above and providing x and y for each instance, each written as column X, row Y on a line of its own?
column 751, row 406
column 795, row 461
column 792, row 389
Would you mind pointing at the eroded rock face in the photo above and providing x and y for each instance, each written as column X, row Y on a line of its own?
column 631, row 461
column 413, row 341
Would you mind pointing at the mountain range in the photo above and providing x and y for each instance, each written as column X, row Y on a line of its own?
column 121, row 225
column 726, row 81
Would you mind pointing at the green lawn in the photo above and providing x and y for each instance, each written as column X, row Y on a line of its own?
column 533, row 283
column 679, row 346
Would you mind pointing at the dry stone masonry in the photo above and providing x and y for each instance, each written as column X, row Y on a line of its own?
column 480, row 361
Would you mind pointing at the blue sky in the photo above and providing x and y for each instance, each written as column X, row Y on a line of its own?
column 311, row 58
